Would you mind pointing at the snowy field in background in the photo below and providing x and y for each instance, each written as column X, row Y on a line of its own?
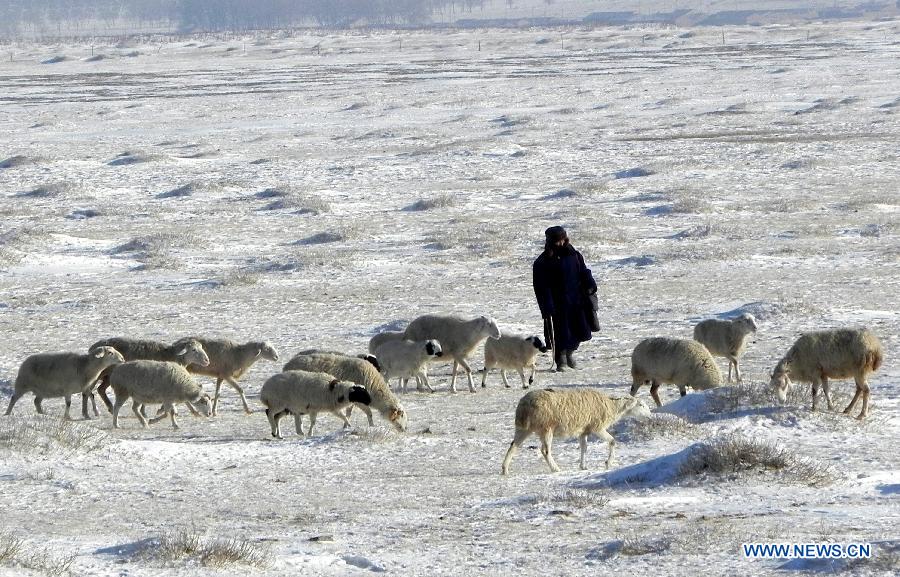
column 312, row 191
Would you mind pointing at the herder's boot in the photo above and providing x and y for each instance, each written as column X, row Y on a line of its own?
column 570, row 360
column 559, row 357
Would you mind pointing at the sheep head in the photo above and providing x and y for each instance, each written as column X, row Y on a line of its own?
column 538, row 344
column 398, row 419
column 748, row 321
column 433, row 348
column 489, row 326
column 203, row 404
column 636, row 408
column 781, row 380
column 193, row 354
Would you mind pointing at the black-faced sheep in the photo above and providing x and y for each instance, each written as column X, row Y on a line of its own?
column 682, row 362
column 726, row 339
column 837, row 354
column 405, row 359
column 228, row 361
column 567, row 413
column 360, row 372
column 513, row 352
column 458, row 338
column 304, row 393
column 50, row 375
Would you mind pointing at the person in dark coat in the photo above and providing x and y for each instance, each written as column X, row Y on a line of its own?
column 562, row 283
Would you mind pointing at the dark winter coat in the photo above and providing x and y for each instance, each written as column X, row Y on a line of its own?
column 561, row 284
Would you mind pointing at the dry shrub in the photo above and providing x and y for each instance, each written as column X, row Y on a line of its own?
column 658, row 425
column 438, row 201
column 189, row 546
column 16, row 552
column 154, row 251
column 733, row 453
column 42, row 433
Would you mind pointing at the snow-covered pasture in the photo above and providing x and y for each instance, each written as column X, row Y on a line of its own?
column 311, row 191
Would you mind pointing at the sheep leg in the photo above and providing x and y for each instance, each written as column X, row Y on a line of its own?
column 37, row 404
column 172, row 413
column 192, row 409
column 135, row 408
column 453, row 377
column 101, row 390
column 737, row 371
column 729, row 369
column 161, row 414
column 827, row 393
column 401, row 384
column 298, row 423
column 274, row 422
column 611, row 442
column 240, row 391
column 654, row 387
column 68, row 406
column 84, row 405
column 215, row 405
column 423, row 375
column 518, row 439
column 530, row 377
column 484, row 374
column 547, row 449
column 115, row 410
column 522, row 376
column 16, row 396
column 582, row 441
column 815, row 393
column 682, row 389
column 365, row 410
column 505, row 380
column 853, row 401
column 342, row 417
column 468, row 370
column 862, row 387
column 312, row 423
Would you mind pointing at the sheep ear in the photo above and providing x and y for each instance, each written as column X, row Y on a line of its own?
column 182, row 352
column 258, row 352
column 100, row 352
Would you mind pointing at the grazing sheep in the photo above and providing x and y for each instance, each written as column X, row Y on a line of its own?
column 681, row 362
column 302, row 392
column 155, row 382
column 576, row 412
column 513, row 352
column 49, row 375
column 458, row 338
column 360, row 372
column 228, row 361
column 405, row 359
column 836, row 354
column 384, row 337
column 368, row 357
column 726, row 339
column 139, row 350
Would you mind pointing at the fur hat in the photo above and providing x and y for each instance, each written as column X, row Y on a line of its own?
column 556, row 233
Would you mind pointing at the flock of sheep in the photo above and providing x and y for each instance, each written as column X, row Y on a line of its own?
column 314, row 381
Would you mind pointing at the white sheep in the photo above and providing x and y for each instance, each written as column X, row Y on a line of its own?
column 681, row 362
column 837, row 354
column 50, row 375
column 458, row 338
column 513, row 352
column 139, row 350
column 368, row 357
column 384, row 337
column 304, row 393
column 575, row 412
column 408, row 359
column 357, row 371
column 155, row 382
column 228, row 361
column 726, row 338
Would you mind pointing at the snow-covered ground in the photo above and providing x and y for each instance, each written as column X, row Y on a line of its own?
column 314, row 190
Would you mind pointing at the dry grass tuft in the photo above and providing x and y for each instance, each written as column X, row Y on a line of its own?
column 44, row 434
column 438, row 201
column 733, row 453
column 16, row 552
column 188, row 546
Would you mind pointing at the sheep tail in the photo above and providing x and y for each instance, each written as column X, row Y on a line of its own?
column 874, row 360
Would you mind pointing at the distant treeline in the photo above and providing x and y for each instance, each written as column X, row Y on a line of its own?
column 72, row 17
